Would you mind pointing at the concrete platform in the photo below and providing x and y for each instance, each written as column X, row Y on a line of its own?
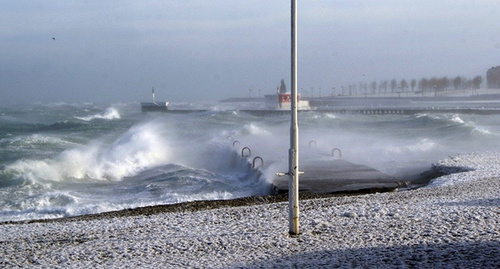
column 338, row 176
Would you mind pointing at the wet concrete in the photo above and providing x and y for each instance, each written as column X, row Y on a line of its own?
column 338, row 176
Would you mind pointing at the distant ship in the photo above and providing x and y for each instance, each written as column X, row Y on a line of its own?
column 154, row 106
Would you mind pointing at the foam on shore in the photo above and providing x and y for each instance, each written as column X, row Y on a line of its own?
column 454, row 222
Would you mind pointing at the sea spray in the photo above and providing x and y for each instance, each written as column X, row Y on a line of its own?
column 139, row 148
column 110, row 114
column 68, row 160
column 155, row 161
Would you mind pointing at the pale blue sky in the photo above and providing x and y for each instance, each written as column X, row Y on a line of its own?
column 115, row 51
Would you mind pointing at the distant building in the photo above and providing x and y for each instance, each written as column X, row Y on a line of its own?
column 493, row 77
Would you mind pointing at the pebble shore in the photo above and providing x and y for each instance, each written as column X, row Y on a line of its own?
column 454, row 222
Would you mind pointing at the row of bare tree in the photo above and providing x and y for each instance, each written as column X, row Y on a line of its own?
column 431, row 85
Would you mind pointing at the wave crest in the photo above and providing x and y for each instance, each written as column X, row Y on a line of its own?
column 139, row 148
column 109, row 114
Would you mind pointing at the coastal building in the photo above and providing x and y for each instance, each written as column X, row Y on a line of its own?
column 493, row 77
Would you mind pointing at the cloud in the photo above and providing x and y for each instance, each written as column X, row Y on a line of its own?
column 216, row 49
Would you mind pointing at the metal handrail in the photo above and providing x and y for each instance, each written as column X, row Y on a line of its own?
column 258, row 158
column 337, row 149
column 312, row 141
column 243, row 152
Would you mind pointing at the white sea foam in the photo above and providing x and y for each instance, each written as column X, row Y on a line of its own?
column 423, row 145
column 110, row 114
column 330, row 116
column 457, row 119
column 254, row 129
column 33, row 141
column 139, row 148
column 482, row 130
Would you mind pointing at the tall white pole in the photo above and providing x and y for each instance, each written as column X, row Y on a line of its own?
column 293, row 153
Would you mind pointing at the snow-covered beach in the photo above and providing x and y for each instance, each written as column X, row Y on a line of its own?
column 454, row 222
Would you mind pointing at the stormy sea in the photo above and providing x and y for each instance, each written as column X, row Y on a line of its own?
column 59, row 160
